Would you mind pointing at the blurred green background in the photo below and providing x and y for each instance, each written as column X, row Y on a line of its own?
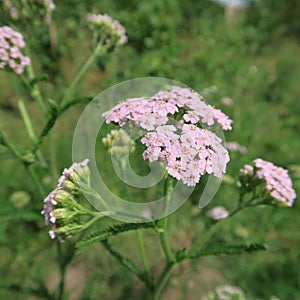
column 249, row 54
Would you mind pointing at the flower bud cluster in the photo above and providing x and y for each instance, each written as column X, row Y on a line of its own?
column 107, row 31
column 118, row 141
column 28, row 8
column 61, row 207
column 11, row 57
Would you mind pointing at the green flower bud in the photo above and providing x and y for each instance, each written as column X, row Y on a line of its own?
column 61, row 213
column 69, row 186
column 28, row 158
column 80, row 175
column 68, row 230
column 62, row 197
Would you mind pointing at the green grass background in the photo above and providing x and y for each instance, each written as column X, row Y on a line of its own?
column 251, row 57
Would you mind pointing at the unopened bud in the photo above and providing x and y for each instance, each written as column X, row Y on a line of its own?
column 70, row 187
column 68, row 230
column 61, row 213
column 62, row 196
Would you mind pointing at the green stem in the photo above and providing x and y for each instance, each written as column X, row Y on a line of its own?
column 5, row 141
column 128, row 264
column 163, row 224
column 86, row 189
column 142, row 250
column 53, row 37
column 62, row 269
column 26, row 120
column 138, row 231
column 205, row 237
column 71, row 90
column 163, row 281
column 32, row 173
column 165, row 245
column 23, row 110
column 34, row 89
column 93, row 220
column 37, row 181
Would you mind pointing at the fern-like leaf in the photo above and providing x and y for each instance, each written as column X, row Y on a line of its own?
column 110, row 231
column 227, row 249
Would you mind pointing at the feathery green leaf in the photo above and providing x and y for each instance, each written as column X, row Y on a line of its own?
column 110, row 231
column 227, row 249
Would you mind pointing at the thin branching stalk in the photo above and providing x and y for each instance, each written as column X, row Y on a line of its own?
column 142, row 250
column 163, row 280
column 71, row 90
column 129, row 265
column 162, row 224
column 34, row 89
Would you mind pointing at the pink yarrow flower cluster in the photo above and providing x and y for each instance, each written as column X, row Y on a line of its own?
column 52, row 203
column 11, row 57
column 236, row 147
column 276, row 179
column 188, row 150
column 106, row 25
column 150, row 112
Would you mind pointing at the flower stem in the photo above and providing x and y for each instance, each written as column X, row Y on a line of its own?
column 26, row 120
column 37, row 181
column 128, row 264
column 23, row 111
column 92, row 221
column 205, row 237
column 71, row 90
column 62, row 269
column 16, row 153
column 163, row 224
column 142, row 250
column 34, row 89
column 163, row 280
column 165, row 246
column 5, row 141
